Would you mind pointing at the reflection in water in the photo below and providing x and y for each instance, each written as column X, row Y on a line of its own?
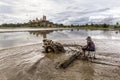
column 116, row 32
column 60, row 34
column 42, row 33
column 21, row 38
column 72, row 29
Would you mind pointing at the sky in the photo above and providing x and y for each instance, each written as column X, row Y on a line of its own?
column 60, row 11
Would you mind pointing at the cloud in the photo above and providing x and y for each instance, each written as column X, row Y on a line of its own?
column 76, row 17
column 6, row 9
column 60, row 11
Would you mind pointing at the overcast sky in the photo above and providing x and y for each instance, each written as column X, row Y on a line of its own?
column 60, row 11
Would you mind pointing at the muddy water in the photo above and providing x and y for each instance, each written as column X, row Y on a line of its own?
column 29, row 63
column 106, row 40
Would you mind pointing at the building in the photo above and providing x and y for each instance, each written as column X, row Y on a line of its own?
column 44, row 18
column 38, row 20
column 43, row 22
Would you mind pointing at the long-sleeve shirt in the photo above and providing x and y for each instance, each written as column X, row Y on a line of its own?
column 90, row 45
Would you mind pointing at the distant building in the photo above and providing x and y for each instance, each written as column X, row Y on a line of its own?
column 43, row 22
column 30, row 21
column 33, row 20
column 38, row 20
column 44, row 18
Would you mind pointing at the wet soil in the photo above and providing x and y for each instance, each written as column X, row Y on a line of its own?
column 29, row 63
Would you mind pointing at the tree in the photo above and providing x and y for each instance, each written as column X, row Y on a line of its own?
column 105, row 25
column 117, row 24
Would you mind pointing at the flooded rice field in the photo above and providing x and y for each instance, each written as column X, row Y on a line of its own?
column 105, row 40
column 21, row 56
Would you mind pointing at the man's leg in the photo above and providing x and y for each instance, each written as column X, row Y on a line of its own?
column 94, row 55
column 84, row 51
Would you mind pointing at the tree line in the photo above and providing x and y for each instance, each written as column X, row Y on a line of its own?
column 51, row 24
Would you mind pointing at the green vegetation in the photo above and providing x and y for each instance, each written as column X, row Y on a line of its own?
column 96, row 26
column 40, row 24
column 48, row 24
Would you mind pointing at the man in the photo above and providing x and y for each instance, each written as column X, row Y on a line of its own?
column 90, row 47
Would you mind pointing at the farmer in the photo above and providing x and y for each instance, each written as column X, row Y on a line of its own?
column 90, row 47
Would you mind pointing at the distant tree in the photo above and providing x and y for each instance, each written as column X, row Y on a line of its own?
column 61, row 25
column 72, row 25
column 105, row 25
column 117, row 24
column 92, row 24
column 86, row 24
